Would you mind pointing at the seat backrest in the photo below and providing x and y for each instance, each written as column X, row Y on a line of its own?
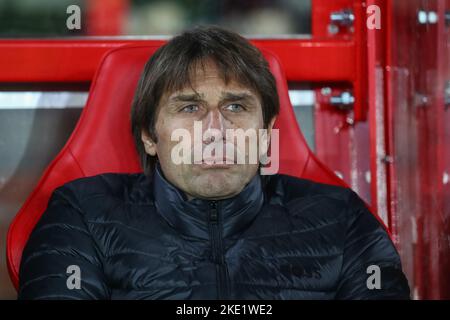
column 102, row 142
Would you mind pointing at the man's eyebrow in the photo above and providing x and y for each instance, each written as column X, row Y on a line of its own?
column 237, row 96
column 183, row 97
column 225, row 97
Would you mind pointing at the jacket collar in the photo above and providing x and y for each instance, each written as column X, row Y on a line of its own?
column 193, row 217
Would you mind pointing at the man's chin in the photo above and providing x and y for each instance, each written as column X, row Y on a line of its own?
column 217, row 183
column 216, row 176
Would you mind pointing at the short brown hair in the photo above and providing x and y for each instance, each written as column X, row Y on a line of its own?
column 170, row 68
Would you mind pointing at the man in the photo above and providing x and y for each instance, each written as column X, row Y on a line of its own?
column 198, row 223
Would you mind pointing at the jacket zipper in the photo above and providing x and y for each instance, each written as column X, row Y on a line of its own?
column 217, row 251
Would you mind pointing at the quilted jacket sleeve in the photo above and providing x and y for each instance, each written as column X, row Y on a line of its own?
column 59, row 253
column 371, row 266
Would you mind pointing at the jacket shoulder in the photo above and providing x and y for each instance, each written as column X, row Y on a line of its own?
column 105, row 183
column 103, row 187
column 306, row 198
column 287, row 188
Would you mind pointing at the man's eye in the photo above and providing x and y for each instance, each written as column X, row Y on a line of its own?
column 234, row 107
column 190, row 108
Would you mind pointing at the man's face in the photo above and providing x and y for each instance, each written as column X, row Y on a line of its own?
column 218, row 107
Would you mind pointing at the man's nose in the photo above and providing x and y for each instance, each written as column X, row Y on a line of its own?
column 213, row 124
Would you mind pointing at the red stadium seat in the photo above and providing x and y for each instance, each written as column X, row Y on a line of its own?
column 102, row 142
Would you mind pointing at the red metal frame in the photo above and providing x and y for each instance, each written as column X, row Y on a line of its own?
column 407, row 61
column 378, row 140
column 76, row 60
column 342, row 136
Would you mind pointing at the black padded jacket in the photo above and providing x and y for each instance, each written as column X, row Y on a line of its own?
column 132, row 237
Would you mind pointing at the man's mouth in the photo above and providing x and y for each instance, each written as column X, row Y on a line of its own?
column 217, row 163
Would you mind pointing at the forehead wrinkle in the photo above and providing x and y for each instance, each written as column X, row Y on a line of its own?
column 187, row 97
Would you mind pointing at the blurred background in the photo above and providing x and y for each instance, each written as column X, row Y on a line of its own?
column 384, row 129
column 47, row 18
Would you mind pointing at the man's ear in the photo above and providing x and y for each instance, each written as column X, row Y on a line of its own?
column 149, row 144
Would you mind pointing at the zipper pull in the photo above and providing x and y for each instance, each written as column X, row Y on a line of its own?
column 213, row 211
